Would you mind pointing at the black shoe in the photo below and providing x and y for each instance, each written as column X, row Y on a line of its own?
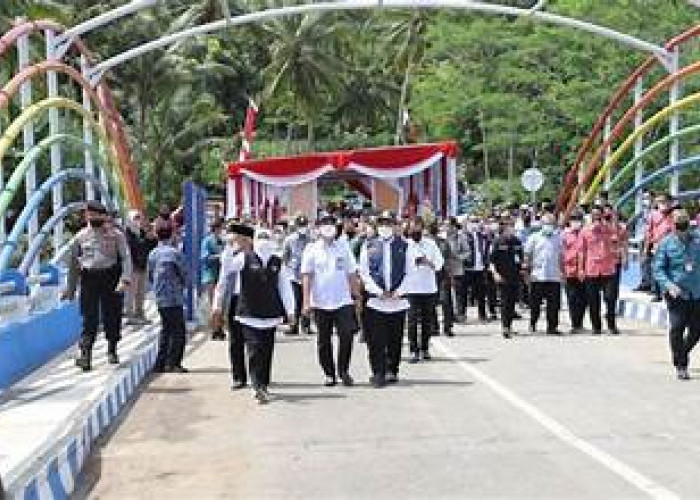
column 506, row 333
column 613, row 331
column 553, row 332
column 682, row 374
column 238, row 384
column 448, row 333
column 218, row 335
column 533, row 329
column 112, row 358
column 494, row 317
column 656, row 298
column 330, row 382
column 347, row 380
column 84, row 362
column 425, row 355
column 392, row 378
column 261, row 395
column 178, row 369
column 517, row 316
column 575, row 330
column 377, row 382
column 415, row 358
column 597, row 332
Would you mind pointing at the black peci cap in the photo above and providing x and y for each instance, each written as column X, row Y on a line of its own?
column 241, row 229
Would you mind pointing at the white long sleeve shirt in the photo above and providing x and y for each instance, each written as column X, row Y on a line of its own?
column 421, row 279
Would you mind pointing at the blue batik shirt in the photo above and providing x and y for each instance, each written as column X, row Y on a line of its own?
column 167, row 275
column 678, row 262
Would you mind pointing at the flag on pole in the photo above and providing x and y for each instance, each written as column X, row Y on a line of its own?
column 234, row 200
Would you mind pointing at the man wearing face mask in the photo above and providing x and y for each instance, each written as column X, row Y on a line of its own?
column 445, row 280
column 660, row 225
column 575, row 287
column 292, row 252
column 597, row 264
column 677, row 271
column 620, row 240
column 226, row 294
column 100, row 262
column 383, row 264
column 544, row 262
column 141, row 242
column 640, row 233
column 474, row 251
column 424, row 260
column 212, row 246
column 492, row 232
column 329, row 283
column 506, row 261
column 265, row 298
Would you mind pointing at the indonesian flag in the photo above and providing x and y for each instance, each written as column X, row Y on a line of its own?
column 248, row 131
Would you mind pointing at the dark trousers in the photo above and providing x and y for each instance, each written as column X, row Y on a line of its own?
column 236, row 345
column 491, row 291
column 384, row 339
column 345, row 324
column 260, row 344
column 475, row 290
column 460, row 295
column 594, row 288
column 300, row 320
column 576, row 298
column 549, row 291
column 683, row 315
column 98, row 298
column 422, row 311
column 510, row 292
column 445, row 297
column 645, row 261
column 171, row 343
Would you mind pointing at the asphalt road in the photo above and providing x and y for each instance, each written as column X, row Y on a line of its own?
column 533, row 417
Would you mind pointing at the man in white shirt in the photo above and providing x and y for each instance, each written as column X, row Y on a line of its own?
column 266, row 296
column 329, row 282
column 383, row 263
column 424, row 260
column 544, row 259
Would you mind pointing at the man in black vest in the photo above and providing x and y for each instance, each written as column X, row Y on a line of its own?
column 475, row 265
column 383, row 262
column 265, row 297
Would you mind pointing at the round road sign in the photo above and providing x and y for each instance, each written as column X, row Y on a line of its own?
column 532, row 179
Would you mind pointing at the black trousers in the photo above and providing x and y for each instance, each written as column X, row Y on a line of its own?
column 683, row 315
column 260, row 344
column 236, row 346
column 475, row 290
column 460, row 295
column 384, row 339
column 98, row 298
column 491, row 293
column 549, row 291
column 422, row 311
column 171, row 342
column 510, row 292
column 594, row 288
column 445, row 298
column 645, row 262
column 345, row 324
column 576, row 298
column 300, row 319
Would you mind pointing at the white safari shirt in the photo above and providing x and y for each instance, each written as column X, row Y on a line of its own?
column 329, row 265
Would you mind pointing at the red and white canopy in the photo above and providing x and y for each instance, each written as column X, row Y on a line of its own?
column 421, row 171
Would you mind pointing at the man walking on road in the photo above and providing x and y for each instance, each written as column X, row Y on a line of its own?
column 575, row 287
column 506, row 260
column 292, row 252
column 677, row 271
column 329, row 282
column 100, row 263
column 383, row 263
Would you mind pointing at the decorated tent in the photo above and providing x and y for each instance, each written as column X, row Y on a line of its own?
column 400, row 178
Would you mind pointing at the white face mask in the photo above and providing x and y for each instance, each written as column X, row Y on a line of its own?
column 442, row 235
column 327, row 231
column 575, row 224
column 303, row 231
column 494, row 227
column 264, row 248
column 385, row 232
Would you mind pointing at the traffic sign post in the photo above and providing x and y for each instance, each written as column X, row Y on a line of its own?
column 532, row 181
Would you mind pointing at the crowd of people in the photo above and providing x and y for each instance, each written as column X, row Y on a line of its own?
column 382, row 276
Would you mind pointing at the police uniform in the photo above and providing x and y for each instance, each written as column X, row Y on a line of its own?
column 99, row 262
column 506, row 260
column 677, row 265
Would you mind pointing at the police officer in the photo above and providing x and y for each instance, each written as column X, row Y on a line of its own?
column 677, row 271
column 329, row 282
column 505, row 263
column 292, row 252
column 383, row 264
column 100, row 263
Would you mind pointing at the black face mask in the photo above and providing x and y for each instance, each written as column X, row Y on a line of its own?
column 96, row 223
column 682, row 226
column 416, row 235
column 351, row 234
column 608, row 217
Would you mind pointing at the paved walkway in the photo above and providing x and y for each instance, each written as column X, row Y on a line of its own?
column 570, row 417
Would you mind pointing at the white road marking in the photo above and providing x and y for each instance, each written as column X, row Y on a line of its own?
column 635, row 478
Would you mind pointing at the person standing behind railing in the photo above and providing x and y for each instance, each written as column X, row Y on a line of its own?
column 677, row 271
column 100, row 262
column 141, row 242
